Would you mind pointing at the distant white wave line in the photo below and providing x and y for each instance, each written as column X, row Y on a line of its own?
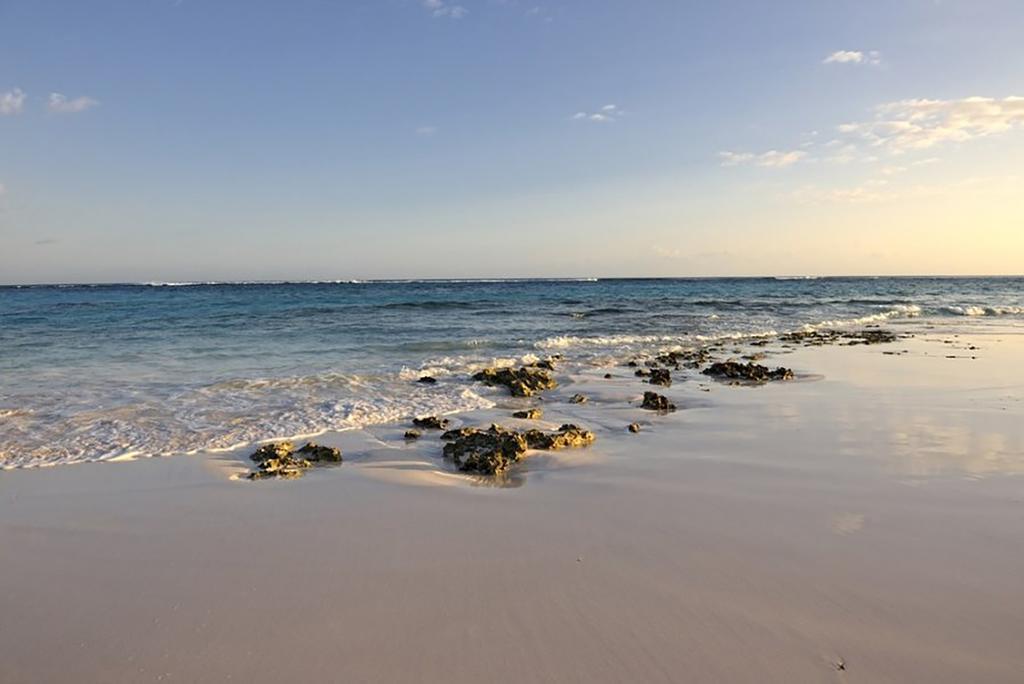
column 358, row 281
column 567, row 341
column 974, row 310
column 899, row 311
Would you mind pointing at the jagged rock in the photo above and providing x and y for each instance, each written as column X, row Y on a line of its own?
column 661, row 376
column 691, row 358
column 427, row 380
column 751, row 372
column 522, row 382
column 656, row 402
column 578, row 399
column 817, row 338
column 280, row 460
column 320, row 454
column 487, row 452
column 495, row 450
column 412, row 434
column 633, row 427
column 568, row 435
column 431, row 423
column 529, row 414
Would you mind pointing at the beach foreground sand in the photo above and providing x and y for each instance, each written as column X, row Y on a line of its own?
column 863, row 523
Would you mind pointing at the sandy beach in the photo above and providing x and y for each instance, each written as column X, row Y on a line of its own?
column 861, row 523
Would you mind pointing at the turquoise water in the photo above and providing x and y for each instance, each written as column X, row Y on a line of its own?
column 97, row 372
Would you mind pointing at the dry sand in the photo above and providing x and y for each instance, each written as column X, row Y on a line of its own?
column 863, row 526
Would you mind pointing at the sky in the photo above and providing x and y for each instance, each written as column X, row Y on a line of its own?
column 184, row 140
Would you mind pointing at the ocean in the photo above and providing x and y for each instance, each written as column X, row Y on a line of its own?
column 102, row 372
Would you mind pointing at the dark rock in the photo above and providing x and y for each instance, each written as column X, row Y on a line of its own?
column 522, row 382
column 661, row 376
column 607, row 376
column 632, row 364
column 431, row 423
column 642, row 373
column 495, row 450
column 751, row 372
column 280, row 460
column 427, row 380
column 489, row 452
column 320, row 454
column 412, row 434
column 577, row 399
column 634, row 427
column 817, row 338
column 529, row 414
column 544, row 364
column 656, row 402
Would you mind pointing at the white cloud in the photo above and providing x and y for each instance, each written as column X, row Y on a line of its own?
column 911, row 125
column 771, row 159
column 871, row 58
column 605, row 114
column 12, row 102
column 440, row 8
column 62, row 105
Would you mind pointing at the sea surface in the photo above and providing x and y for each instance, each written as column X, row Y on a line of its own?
column 101, row 372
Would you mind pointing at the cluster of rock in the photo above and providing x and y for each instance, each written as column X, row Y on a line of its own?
column 653, row 401
column 521, row 382
column 529, row 414
column 282, row 460
column 494, row 450
column 817, row 338
column 749, row 372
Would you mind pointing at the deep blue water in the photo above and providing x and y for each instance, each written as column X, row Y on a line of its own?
column 91, row 372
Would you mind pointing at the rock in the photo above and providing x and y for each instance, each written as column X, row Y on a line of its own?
column 817, row 338
column 427, row 380
column 567, row 436
column 656, row 402
column 282, row 460
column 642, row 373
column 632, row 364
column 577, row 399
column 320, row 454
column 661, row 376
column 529, row 414
column 522, row 382
column 544, row 364
column 633, row 427
column 751, row 372
column 431, row 423
column 495, row 450
column 607, row 376
column 489, row 452
column 691, row 358
column 412, row 434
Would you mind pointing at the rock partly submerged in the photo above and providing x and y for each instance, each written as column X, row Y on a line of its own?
column 817, row 338
column 521, row 382
column 656, row 402
column 431, row 423
column 529, row 414
column 578, row 399
column 748, row 372
column 282, row 460
column 661, row 376
column 494, row 450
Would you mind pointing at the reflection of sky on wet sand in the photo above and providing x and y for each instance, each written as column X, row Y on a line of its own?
column 915, row 415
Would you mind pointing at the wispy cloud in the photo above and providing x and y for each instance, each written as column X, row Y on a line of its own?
column 426, row 130
column 606, row 114
column 909, row 125
column 771, row 159
column 62, row 105
column 12, row 102
column 440, row 8
column 870, row 58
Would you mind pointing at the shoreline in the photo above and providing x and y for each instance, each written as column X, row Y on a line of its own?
column 867, row 517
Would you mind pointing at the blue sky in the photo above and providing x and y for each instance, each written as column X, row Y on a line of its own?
column 199, row 140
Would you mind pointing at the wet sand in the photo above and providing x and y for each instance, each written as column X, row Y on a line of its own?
column 864, row 523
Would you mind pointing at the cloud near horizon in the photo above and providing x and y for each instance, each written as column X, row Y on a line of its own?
column 60, row 104
column 776, row 159
column 870, row 58
column 908, row 125
column 12, row 102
